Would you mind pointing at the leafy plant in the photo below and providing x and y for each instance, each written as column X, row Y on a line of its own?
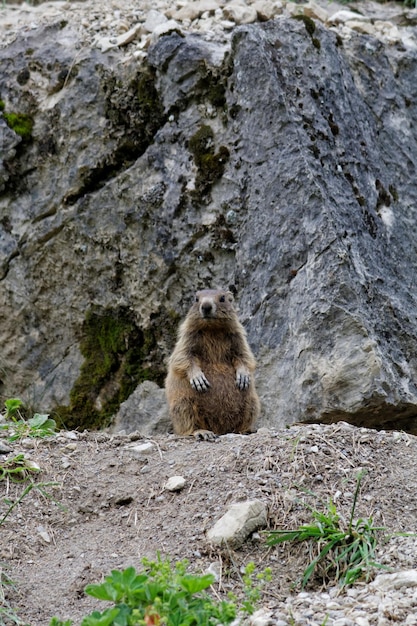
column 12, row 408
column 162, row 595
column 346, row 550
column 17, row 468
column 253, row 584
column 38, row 426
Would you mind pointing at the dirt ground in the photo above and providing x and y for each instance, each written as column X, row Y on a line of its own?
column 110, row 508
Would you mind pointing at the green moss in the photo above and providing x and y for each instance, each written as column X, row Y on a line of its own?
column 310, row 27
column 202, row 142
column 316, row 42
column 147, row 96
column 216, row 94
column 209, row 163
column 308, row 23
column 2, row 105
column 115, row 355
column 20, row 123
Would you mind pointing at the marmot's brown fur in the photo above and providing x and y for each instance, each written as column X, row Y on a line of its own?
column 210, row 386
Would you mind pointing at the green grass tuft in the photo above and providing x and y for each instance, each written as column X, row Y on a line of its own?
column 345, row 549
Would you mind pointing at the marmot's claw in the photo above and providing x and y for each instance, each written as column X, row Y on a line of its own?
column 205, row 435
column 242, row 381
column 200, row 382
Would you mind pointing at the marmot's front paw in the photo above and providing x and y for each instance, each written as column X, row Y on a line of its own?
column 200, row 382
column 242, row 379
column 205, row 435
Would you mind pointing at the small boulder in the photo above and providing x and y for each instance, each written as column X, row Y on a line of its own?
column 175, row 483
column 241, row 519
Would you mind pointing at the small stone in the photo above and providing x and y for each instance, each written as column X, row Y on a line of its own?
column 65, row 462
column 332, row 606
column 32, row 465
column 361, row 27
column 43, row 533
column 122, row 27
column 164, row 29
column 238, row 523
column 266, row 9
column 4, row 448
column 195, row 10
column 175, row 483
column 129, row 36
column 227, row 24
column 141, row 450
column 261, row 617
column 240, row 13
column 27, row 443
column 215, row 570
column 154, row 19
column 107, row 43
column 389, row 582
column 343, row 16
column 311, row 9
column 70, row 434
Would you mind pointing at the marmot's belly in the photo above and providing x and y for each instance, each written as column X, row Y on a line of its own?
column 223, row 406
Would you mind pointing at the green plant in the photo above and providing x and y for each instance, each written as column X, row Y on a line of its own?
column 253, row 584
column 163, row 595
column 12, row 408
column 346, row 550
column 17, row 468
column 40, row 425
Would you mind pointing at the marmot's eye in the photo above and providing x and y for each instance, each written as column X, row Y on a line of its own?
column 221, row 299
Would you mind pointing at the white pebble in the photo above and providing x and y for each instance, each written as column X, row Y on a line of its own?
column 175, row 483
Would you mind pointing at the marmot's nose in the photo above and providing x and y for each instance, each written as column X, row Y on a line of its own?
column 206, row 309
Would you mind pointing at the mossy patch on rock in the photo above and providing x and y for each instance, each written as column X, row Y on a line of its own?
column 20, row 123
column 310, row 28
column 135, row 112
column 210, row 164
column 115, row 354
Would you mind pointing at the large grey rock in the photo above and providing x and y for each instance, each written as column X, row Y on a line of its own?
column 145, row 410
column 283, row 165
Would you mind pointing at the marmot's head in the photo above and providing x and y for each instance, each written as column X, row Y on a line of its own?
column 213, row 304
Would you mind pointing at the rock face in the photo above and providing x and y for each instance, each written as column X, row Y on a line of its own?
column 281, row 163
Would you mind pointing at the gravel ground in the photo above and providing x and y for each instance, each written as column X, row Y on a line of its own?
column 110, row 508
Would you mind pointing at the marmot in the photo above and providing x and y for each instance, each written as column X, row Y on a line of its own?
column 210, row 387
